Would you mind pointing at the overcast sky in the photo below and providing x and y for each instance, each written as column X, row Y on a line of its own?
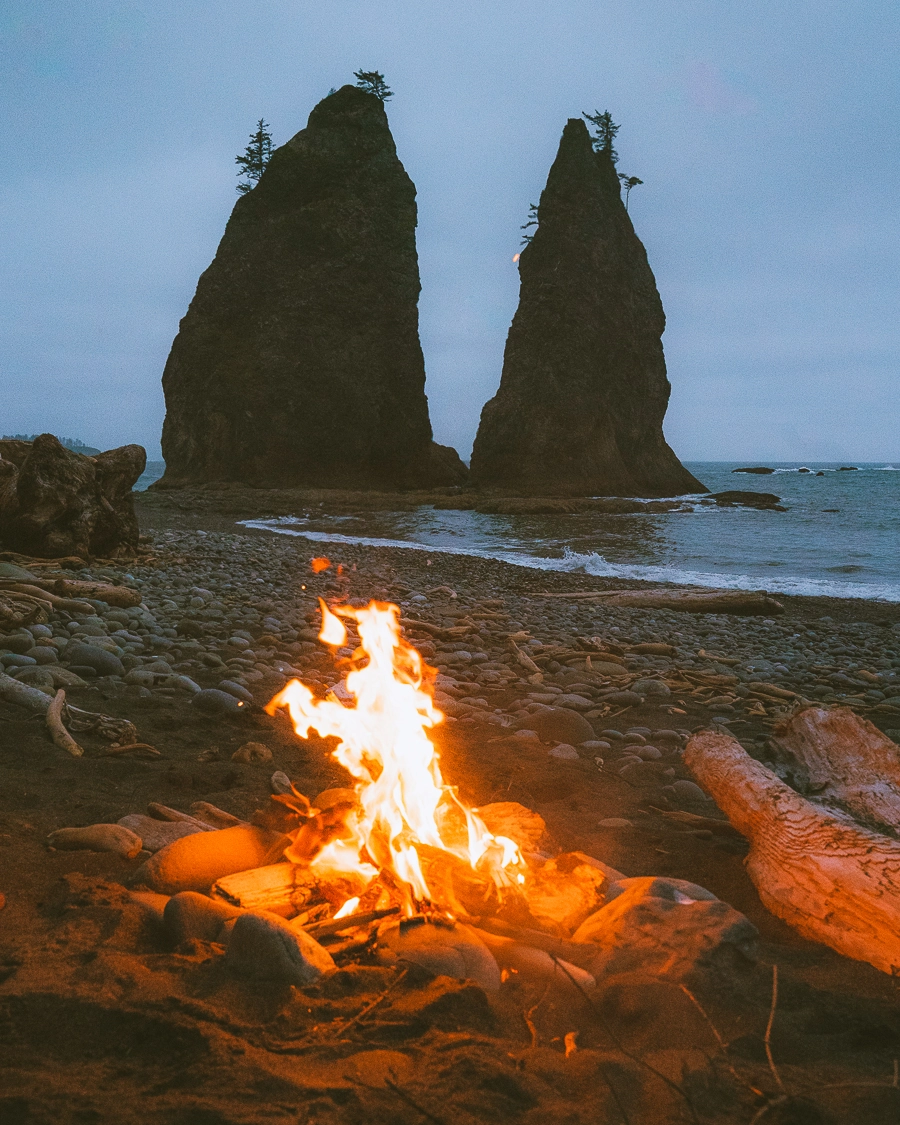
column 765, row 134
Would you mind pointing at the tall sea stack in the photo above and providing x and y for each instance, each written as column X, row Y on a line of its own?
column 298, row 361
column 584, row 390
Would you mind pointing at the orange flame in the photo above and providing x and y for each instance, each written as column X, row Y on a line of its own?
column 319, row 564
column 333, row 631
column 383, row 744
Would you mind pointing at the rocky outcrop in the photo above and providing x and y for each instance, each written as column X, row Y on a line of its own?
column 54, row 502
column 584, row 390
column 299, row 362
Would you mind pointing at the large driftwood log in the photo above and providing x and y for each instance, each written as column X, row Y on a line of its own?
column 831, row 879
column 845, row 761
column 743, row 602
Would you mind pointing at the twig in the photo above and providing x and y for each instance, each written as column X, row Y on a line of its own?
column 618, row 1043
column 146, row 750
column 58, row 732
column 768, row 1038
column 369, row 1007
column 763, row 1110
column 349, row 922
column 615, row 1095
column 722, row 1044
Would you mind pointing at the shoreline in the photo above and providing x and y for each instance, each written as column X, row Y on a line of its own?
column 223, row 509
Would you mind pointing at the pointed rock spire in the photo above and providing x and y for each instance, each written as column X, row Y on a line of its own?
column 299, row 362
column 584, row 390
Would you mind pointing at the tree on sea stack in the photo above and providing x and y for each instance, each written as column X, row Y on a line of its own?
column 605, row 133
column 373, row 83
column 256, row 156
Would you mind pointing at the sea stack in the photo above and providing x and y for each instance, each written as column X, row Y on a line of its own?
column 298, row 362
column 584, row 390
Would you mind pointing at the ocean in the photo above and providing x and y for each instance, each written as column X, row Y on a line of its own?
column 840, row 535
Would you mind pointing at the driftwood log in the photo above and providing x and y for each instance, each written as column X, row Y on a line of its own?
column 845, row 761
column 742, row 602
column 833, row 880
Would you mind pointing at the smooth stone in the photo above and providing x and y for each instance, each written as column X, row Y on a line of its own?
column 526, row 736
column 263, row 946
column 97, row 838
column 16, row 660
column 560, row 724
column 565, row 751
column 157, row 834
column 185, row 683
column 153, row 904
column 195, row 862
column 239, row 642
column 648, row 753
column 92, row 656
column 623, row 698
column 66, row 678
column 215, row 702
column 595, row 746
column 44, row 654
column 614, row 735
column 634, row 738
column 35, row 676
column 688, row 790
column 451, row 950
column 237, row 690
column 651, row 688
column 605, row 668
column 140, row 677
column 252, row 752
column 188, row 916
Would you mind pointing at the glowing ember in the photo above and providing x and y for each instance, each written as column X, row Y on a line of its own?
column 349, row 906
column 320, row 564
column 384, row 745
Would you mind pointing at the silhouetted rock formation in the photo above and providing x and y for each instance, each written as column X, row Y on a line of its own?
column 54, row 502
column 584, row 389
column 299, row 362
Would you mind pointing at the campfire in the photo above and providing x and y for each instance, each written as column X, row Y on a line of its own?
column 399, row 828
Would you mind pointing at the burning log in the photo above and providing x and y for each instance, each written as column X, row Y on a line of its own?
column 279, row 887
column 833, row 880
column 845, row 761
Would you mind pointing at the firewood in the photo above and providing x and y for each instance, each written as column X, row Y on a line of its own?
column 213, row 816
column 688, row 601
column 278, row 886
column 831, row 879
column 163, row 812
column 845, row 761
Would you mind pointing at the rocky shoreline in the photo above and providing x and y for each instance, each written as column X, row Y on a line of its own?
column 577, row 710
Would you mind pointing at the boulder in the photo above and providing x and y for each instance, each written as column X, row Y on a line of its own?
column 264, row 947
column 583, row 391
column 298, row 361
column 669, row 926
column 55, row 502
column 443, row 948
column 735, row 498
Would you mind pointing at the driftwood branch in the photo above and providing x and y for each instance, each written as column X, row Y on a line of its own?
column 688, row 601
column 58, row 732
column 833, row 880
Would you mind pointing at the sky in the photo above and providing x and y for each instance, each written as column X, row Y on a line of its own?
column 765, row 135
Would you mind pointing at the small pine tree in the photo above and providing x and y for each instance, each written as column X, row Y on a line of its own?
column 256, row 156
column 628, row 182
column 605, row 134
column 373, row 83
column 532, row 222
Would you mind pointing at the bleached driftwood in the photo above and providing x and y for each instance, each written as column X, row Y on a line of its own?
column 831, row 879
column 845, row 761
column 688, row 601
column 277, row 886
column 58, row 732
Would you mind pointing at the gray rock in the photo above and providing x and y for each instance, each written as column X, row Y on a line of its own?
column 450, row 949
column 559, row 724
column 237, row 690
column 16, row 660
column 215, row 702
column 188, row 916
column 565, row 751
column 651, row 688
column 92, row 656
column 44, row 654
column 264, row 947
column 623, row 698
column 140, row 677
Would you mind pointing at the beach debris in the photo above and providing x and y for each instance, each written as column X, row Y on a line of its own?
column 252, row 752
column 58, row 732
column 832, row 879
column 693, row 600
column 844, row 761
column 114, row 838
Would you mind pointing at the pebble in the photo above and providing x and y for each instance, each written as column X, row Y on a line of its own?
column 451, row 950
column 237, row 690
column 102, row 662
column 565, row 751
column 263, row 946
column 252, row 752
column 215, row 702
column 188, row 916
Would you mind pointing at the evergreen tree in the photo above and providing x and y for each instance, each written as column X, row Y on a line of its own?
column 256, row 156
column 373, row 83
column 532, row 222
column 605, row 134
column 628, row 182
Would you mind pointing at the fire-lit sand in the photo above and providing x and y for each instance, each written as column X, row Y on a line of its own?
column 393, row 887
